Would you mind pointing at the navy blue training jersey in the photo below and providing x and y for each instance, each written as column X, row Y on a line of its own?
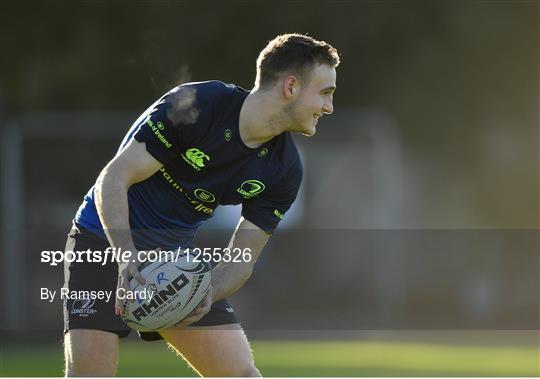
column 193, row 130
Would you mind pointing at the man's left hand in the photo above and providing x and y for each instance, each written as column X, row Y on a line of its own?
column 202, row 309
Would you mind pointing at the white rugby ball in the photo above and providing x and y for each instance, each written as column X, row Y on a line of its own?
column 178, row 287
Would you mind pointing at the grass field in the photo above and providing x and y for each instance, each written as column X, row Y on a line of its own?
column 305, row 359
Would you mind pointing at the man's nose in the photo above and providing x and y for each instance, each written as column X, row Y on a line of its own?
column 328, row 108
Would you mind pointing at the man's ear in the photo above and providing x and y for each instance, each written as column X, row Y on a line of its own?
column 291, row 86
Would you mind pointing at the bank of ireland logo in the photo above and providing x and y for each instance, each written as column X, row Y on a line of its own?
column 228, row 134
column 204, row 195
column 195, row 158
column 250, row 188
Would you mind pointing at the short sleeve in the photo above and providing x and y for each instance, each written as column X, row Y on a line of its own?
column 268, row 209
column 179, row 115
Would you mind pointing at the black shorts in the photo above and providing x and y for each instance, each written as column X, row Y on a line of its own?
column 99, row 314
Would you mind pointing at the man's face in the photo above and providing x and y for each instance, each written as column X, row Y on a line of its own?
column 313, row 100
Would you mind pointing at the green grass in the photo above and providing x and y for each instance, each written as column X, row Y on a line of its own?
column 305, row 359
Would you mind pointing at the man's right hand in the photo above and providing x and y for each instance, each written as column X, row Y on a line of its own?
column 126, row 271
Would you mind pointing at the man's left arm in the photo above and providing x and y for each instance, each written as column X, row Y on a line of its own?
column 266, row 211
column 229, row 277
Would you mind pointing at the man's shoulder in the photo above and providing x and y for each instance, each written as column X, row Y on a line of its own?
column 205, row 90
column 289, row 154
column 207, row 97
column 199, row 101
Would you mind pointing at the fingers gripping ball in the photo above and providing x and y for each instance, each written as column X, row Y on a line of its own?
column 172, row 291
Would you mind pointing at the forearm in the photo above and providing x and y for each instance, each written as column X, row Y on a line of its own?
column 229, row 277
column 113, row 210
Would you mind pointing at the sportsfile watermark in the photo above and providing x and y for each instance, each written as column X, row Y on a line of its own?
column 326, row 280
column 118, row 255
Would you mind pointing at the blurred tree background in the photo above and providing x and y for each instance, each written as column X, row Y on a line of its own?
column 459, row 77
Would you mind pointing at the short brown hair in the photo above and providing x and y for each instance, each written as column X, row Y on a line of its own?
column 292, row 53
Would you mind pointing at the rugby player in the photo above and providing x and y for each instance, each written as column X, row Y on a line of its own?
column 200, row 145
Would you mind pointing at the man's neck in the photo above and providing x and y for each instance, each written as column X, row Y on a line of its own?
column 260, row 118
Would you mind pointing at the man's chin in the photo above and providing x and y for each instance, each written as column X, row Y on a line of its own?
column 308, row 132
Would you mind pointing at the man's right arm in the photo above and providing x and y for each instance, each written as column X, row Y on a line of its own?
column 131, row 165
